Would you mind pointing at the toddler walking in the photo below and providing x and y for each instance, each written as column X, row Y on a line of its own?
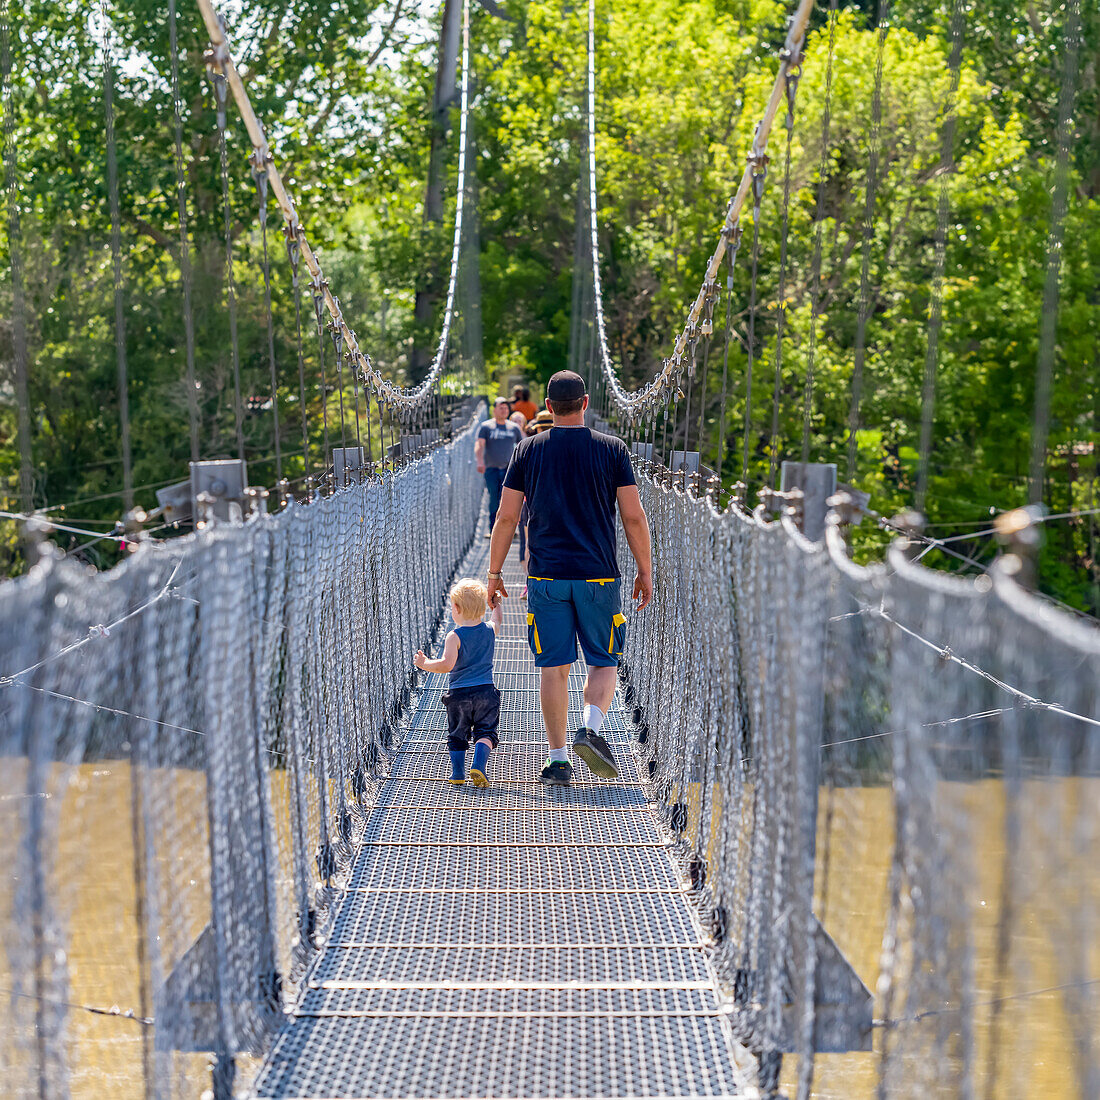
column 472, row 700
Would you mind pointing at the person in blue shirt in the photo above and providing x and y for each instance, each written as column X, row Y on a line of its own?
column 493, row 447
column 472, row 700
column 573, row 478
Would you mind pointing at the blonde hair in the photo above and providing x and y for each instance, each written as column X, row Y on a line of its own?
column 470, row 597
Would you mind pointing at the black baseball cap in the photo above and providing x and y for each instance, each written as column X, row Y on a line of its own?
column 566, row 385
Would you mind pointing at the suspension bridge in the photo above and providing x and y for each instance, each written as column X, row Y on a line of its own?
column 853, row 849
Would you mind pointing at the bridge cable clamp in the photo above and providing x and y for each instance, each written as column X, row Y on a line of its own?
column 221, row 96
column 319, row 284
column 792, row 77
column 218, row 55
column 291, row 231
column 758, row 164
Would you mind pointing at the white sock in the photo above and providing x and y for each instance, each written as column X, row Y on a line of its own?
column 592, row 717
column 559, row 754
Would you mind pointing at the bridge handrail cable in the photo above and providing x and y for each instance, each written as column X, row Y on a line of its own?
column 635, row 404
column 396, row 397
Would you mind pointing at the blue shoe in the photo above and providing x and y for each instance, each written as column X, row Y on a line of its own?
column 480, row 765
column 458, row 766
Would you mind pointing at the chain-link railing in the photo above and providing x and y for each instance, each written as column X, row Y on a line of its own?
column 189, row 742
column 890, row 762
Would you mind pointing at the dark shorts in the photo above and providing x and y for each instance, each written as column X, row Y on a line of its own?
column 561, row 613
column 472, row 713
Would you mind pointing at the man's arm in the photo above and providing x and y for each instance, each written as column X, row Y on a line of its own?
column 479, row 454
column 636, row 528
column 444, row 663
column 511, row 504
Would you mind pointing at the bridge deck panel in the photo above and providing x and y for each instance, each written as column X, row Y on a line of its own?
column 561, row 965
column 434, row 1001
column 495, row 867
column 409, row 793
column 460, row 917
column 472, row 825
column 453, row 1057
column 519, row 763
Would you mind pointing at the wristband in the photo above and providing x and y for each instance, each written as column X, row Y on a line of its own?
column 499, row 576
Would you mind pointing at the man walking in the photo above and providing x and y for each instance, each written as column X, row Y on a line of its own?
column 572, row 478
column 496, row 440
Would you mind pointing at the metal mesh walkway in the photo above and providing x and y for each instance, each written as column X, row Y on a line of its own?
column 518, row 941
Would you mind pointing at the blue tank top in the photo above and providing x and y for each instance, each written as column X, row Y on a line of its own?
column 474, row 666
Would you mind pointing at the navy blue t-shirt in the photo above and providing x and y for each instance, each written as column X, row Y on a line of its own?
column 570, row 477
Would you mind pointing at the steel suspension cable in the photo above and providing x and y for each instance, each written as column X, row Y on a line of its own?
column 230, row 285
column 294, row 254
column 819, row 227
column 732, row 246
column 1051, row 289
column 687, row 407
column 358, row 439
column 935, row 318
column 116, row 263
column 260, row 175
column 871, row 192
column 635, row 403
column 580, row 267
column 793, row 75
column 338, row 343
column 220, row 56
column 185, row 242
column 664, row 429
column 319, row 286
column 370, row 428
column 15, row 251
column 759, row 175
column 707, row 331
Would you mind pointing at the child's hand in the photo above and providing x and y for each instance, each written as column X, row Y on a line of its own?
column 420, row 660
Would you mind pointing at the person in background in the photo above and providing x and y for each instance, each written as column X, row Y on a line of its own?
column 519, row 420
column 521, row 402
column 493, row 447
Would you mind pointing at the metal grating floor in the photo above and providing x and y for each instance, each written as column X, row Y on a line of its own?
column 513, row 942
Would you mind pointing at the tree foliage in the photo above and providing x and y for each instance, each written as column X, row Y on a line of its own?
column 344, row 88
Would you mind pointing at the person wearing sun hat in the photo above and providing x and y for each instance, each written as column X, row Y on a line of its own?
column 572, row 478
column 542, row 421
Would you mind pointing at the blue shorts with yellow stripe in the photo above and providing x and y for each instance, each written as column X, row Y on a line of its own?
column 559, row 613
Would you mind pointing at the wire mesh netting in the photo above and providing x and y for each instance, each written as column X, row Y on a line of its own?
column 232, row 859
column 514, row 941
column 891, row 762
column 189, row 743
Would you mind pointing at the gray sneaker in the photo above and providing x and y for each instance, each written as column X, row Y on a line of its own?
column 556, row 773
column 596, row 753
